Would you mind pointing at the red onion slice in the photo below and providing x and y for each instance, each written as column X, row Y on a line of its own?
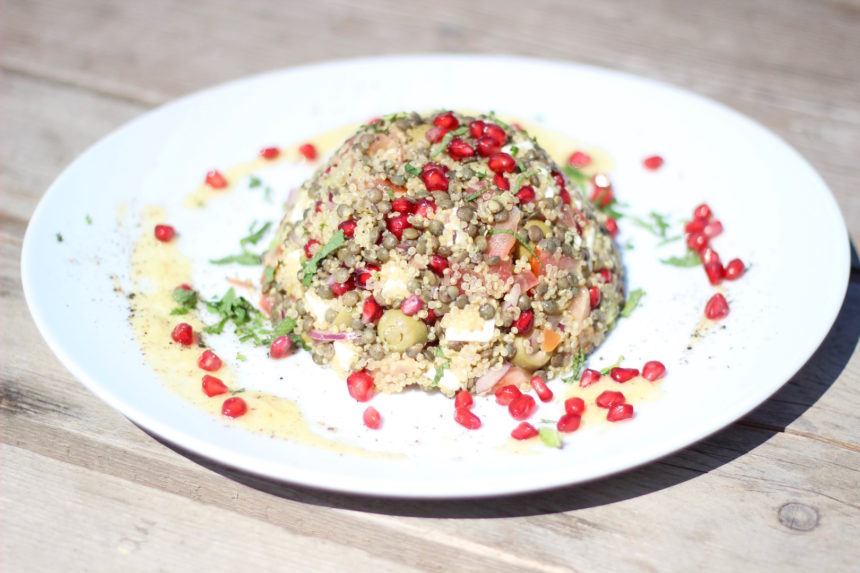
column 331, row 336
column 486, row 382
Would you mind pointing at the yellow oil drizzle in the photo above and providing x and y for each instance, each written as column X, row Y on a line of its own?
column 635, row 391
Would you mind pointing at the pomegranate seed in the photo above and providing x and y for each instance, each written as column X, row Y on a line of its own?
column 183, row 334
column 715, row 273
column 425, row 207
column 338, row 289
column 611, row 226
column 466, row 418
column 619, row 412
column 713, row 229
column 602, row 196
column 308, row 151
column 270, row 153
column 431, row 316
column 411, row 305
column 364, row 275
column 594, row 295
column 609, row 398
column 606, row 275
column 463, row 399
column 318, row 207
column 185, row 286
column 695, row 226
column 526, row 194
column 697, row 241
column 309, row 247
column 589, row 377
column 569, row 423
column 438, row 264
column 735, row 269
column 654, row 162
column 476, row 128
column 522, row 407
column 371, row 311
column 559, row 180
column 541, row 389
column 501, row 163
column 209, row 361
column 398, row 224
column 709, row 256
column 579, row 159
column 446, row 120
column 506, row 394
column 371, row 418
column 524, row 431
column 496, row 133
column 574, row 406
column 215, row 180
column 360, row 385
column 434, row 179
column 524, row 322
column 717, row 307
column 459, row 149
column 348, row 228
column 234, row 407
column 436, row 133
column 213, row 386
column 280, row 347
column 653, row 370
column 487, row 146
column 565, row 196
column 623, row 374
column 501, row 182
column 164, row 233
column 403, row 205
column 702, row 212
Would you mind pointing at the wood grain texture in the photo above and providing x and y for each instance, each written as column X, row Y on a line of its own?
column 775, row 491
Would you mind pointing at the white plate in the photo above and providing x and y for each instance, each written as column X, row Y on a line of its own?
column 778, row 213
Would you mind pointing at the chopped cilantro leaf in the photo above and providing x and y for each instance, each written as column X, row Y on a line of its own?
column 668, row 240
column 309, row 267
column 658, row 227
column 474, row 195
column 390, row 193
column 514, row 150
column 185, row 298
column 440, row 370
column 254, row 182
column 267, row 194
column 523, row 242
column 269, row 274
column 234, row 392
column 89, row 220
column 632, row 302
column 254, row 236
column 480, row 175
column 578, row 363
column 59, row 238
column 243, row 258
column 691, row 259
column 550, row 437
column 411, row 169
column 519, row 180
column 240, row 356
column 606, row 370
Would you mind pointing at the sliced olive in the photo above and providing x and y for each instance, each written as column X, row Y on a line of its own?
column 398, row 331
column 529, row 361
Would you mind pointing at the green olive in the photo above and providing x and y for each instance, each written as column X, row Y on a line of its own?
column 522, row 252
column 529, row 361
column 398, row 331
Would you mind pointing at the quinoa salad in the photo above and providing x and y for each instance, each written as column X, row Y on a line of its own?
column 446, row 252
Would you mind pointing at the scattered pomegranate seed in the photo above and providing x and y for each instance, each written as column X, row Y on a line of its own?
column 541, row 389
column 602, row 195
column 589, row 377
column 365, row 274
column 487, row 146
column 476, row 128
column 446, row 120
column 425, row 207
column 717, row 307
column 398, row 224
column 459, row 149
column 463, row 399
column 501, row 163
column 213, row 386
column 403, row 205
column 309, row 247
column 164, row 233
column 436, row 133
column 524, row 322
column 654, row 162
column 496, row 133
column 338, row 289
column 623, row 374
column 215, row 180
column 522, row 407
column 702, row 212
column 574, row 406
column 360, row 385
column 506, row 394
column 270, row 152
column 308, row 151
column 594, row 295
column 611, row 226
column 713, row 229
column 608, row 398
column 579, row 159
column 371, row 418
column 234, row 407
column 559, row 179
column 318, row 206
column 371, row 311
column 185, row 286
column 653, row 370
column 565, row 196
column 695, row 226
column 715, row 272
column 606, row 275
column 348, row 228
column 502, row 182
column 524, row 431
column 411, row 305
column 431, row 316
column 619, row 412
column 526, row 194
column 434, row 178
column 280, row 347
column 209, row 361
column 437, row 264
column 183, row 334
column 735, row 269
column 709, row 255
column 697, row 241
column 466, row 418
column 569, row 423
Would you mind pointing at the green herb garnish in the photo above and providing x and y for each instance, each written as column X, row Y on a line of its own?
column 309, row 267
column 59, row 238
column 390, row 193
column 691, row 259
column 632, row 302
column 241, row 357
column 89, row 220
column 519, row 180
column 480, row 175
column 243, row 258
column 668, row 240
column 447, row 139
column 254, row 182
column 185, row 298
column 550, row 437
column 249, row 323
column 578, row 178
column 269, row 273
column 411, row 169
column 440, row 370
column 578, row 363
column 606, row 370
column 254, row 236
column 234, row 392
column 267, row 194
column 497, row 121
column 521, row 241
column 659, row 226
column 514, row 150
column 474, row 196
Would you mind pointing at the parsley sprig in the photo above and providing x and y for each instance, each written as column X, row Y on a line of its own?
column 309, row 267
column 246, row 257
column 249, row 323
column 186, row 299
column 632, row 302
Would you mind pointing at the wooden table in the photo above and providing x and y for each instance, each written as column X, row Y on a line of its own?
column 84, row 489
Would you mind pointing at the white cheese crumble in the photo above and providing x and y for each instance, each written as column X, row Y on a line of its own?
column 448, row 382
column 344, row 354
column 316, row 305
column 466, row 325
column 392, row 281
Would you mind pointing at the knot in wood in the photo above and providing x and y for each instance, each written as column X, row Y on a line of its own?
column 798, row 516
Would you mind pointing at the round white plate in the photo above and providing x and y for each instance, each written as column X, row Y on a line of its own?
column 778, row 214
